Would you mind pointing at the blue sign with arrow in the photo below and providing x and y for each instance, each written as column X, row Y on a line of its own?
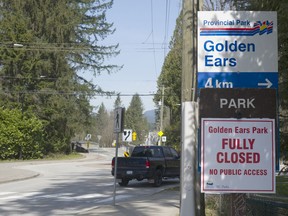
column 238, row 80
column 237, row 49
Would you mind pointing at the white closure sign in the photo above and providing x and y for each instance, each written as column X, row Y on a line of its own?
column 238, row 155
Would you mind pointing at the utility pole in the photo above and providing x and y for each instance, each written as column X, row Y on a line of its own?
column 190, row 187
column 161, row 114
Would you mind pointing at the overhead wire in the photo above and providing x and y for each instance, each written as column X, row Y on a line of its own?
column 153, row 42
column 57, row 46
column 57, row 92
column 167, row 14
column 100, row 94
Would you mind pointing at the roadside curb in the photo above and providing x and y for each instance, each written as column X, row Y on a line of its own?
column 13, row 171
column 20, row 179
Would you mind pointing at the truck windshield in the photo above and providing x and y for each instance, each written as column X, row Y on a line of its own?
column 144, row 151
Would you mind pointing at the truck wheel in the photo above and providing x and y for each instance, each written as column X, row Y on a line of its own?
column 124, row 182
column 157, row 178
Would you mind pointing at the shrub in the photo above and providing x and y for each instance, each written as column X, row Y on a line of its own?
column 21, row 136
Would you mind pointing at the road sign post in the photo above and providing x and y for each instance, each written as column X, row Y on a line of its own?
column 118, row 128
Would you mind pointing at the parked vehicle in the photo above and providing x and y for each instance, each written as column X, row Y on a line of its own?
column 147, row 162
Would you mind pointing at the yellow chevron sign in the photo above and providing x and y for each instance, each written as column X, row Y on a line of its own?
column 126, row 154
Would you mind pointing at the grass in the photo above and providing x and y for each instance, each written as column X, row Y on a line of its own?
column 282, row 186
column 177, row 188
column 212, row 201
column 72, row 156
column 212, row 204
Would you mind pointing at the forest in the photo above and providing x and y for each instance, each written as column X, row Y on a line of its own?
column 47, row 46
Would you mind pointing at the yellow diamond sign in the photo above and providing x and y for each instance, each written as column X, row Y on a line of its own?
column 160, row 133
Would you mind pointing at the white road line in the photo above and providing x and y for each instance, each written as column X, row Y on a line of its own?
column 15, row 195
column 9, row 196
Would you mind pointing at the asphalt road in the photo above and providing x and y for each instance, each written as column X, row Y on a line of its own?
column 70, row 187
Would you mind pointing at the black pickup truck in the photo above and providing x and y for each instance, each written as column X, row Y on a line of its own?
column 147, row 162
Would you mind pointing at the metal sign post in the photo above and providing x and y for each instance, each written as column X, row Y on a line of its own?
column 118, row 128
column 115, row 168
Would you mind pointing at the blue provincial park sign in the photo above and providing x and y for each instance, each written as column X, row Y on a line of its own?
column 237, row 49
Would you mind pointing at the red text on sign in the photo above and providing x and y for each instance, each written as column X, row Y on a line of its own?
column 238, row 157
column 233, row 143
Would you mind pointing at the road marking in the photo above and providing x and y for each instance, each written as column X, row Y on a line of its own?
column 6, row 193
column 118, row 198
column 9, row 196
column 15, row 195
column 89, row 196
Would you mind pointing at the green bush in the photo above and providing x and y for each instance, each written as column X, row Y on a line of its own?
column 21, row 136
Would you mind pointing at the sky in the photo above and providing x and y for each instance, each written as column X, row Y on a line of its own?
column 143, row 30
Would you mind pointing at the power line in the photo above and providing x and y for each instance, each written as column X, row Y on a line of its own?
column 28, row 78
column 55, row 47
column 153, row 42
column 100, row 94
column 167, row 14
column 145, row 41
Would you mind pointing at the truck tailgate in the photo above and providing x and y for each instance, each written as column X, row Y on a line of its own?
column 128, row 163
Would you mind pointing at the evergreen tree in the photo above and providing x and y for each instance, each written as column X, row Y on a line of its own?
column 283, row 77
column 101, row 118
column 170, row 78
column 219, row 5
column 118, row 102
column 44, row 45
column 104, row 126
column 135, row 120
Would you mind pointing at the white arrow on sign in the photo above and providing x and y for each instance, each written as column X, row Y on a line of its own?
column 127, row 135
column 268, row 84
